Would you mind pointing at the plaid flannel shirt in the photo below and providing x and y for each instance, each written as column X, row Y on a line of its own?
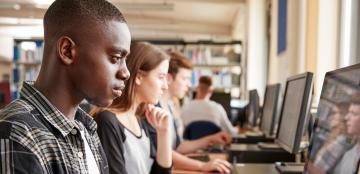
column 35, row 137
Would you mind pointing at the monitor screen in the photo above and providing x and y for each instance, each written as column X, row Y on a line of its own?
column 253, row 109
column 269, row 111
column 224, row 99
column 294, row 112
column 333, row 147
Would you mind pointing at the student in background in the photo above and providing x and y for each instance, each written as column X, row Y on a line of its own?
column 335, row 144
column 124, row 139
column 179, row 82
column 348, row 163
column 45, row 131
column 204, row 109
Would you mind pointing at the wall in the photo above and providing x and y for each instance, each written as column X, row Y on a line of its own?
column 9, row 33
column 348, row 31
column 312, row 41
column 327, row 42
column 358, row 40
column 257, row 46
column 238, row 33
column 286, row 63
column 6, row 53
column 311, row 48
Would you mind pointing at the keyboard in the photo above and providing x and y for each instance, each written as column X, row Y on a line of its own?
column 289, row 168
column 262, row 145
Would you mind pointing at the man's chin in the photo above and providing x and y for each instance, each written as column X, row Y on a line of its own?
column 102, row 103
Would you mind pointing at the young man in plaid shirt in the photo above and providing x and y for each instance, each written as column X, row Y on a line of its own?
column 86, row 44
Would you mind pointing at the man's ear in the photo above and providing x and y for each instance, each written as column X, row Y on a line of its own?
column 211, row 90
column 66, row 50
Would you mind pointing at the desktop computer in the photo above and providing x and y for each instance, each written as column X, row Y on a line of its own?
column 253, row 109
column 269, row 114
column 224, row 99
column 293, row 117
column 333, row 137
column 268, row 121
column 295, row 112
column 333, row 148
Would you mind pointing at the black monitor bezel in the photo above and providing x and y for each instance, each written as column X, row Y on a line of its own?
column 303, row 115
column 274, row 111
column 335, row 73
column 253, row 122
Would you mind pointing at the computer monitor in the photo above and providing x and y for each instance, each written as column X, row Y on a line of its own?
column 270, row 108
column 253, row 109
column 224, row 99
column 294, row 112
column 332, row 138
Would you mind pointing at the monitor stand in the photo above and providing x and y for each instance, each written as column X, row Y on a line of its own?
column 289, row 167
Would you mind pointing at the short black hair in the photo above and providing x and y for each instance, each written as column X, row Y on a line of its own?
column 65, row 15
column 206, row 80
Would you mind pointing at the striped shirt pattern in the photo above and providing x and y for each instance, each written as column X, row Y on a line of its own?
column 35, row 137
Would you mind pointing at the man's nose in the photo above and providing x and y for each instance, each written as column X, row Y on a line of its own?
column 123, row 72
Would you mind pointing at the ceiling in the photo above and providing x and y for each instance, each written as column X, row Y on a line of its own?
column 156, row 19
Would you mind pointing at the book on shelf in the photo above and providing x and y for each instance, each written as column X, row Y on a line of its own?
column 221, row 79
column 26, row 63
column 31, row 56
column 5, row 96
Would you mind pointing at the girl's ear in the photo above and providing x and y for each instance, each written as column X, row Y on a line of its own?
column 138, row 78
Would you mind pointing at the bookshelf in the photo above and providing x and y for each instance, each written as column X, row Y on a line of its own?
column 220, row 60
column 26, row 63
column 5, row 69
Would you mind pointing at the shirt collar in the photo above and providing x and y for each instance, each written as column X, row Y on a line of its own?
column 52, row 114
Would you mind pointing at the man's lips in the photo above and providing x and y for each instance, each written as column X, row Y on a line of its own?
column 118, row 90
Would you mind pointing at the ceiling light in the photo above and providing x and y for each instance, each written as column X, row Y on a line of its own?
column 10, row 6
column 43, row 2
column 16, row 6
column 20, row 21
column 146, row 6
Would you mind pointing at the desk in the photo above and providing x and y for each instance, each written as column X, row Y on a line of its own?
column 241, row 169
column 254, row 169
column 250, row 153
column 244, row 139
column 223, row 156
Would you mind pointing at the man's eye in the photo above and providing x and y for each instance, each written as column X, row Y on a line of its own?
column 115, row 59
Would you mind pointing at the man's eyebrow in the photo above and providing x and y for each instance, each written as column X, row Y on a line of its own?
column 120, row 50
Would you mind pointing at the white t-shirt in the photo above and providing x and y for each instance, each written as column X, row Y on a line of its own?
column 90, row 159
column 348, row 163
column 207, row 110
column 137, row 153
